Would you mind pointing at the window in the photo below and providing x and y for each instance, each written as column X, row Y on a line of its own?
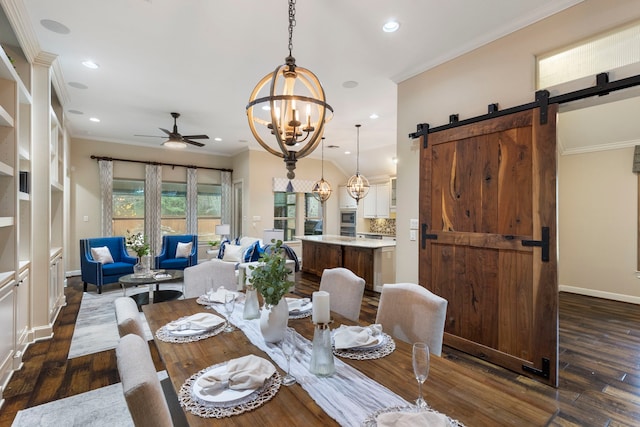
column 297, row 214
column 284, row 213
column 173, row 208
column 312, row 215
column 209, row 211
column 128, row 207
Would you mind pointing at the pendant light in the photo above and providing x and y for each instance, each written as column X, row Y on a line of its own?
column 358, row 185
column 322, row 189
column 276, row 118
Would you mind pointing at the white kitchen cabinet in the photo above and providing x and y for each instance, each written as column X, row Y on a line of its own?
column 345, row 200
column 376, row 203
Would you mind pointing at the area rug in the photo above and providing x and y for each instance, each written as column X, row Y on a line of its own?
column 96, row 408
column 96, row 328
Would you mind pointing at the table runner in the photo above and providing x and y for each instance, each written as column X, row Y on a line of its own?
column 348, row 396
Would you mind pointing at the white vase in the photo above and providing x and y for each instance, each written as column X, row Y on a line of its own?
column 273, row 321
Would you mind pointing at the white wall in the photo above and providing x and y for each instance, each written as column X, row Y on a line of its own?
column 503, row 72
column 597, row 206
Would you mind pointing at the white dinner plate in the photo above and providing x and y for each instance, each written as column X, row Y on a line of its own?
column 187, row 332
column 305, row 307
column 379, row 341
column 225, row 396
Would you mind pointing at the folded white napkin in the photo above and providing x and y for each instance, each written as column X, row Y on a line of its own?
column 198, row 321
column 296, row 304
column 218, row 295
column 356, row 336
column 412, row 419
column 243, row 373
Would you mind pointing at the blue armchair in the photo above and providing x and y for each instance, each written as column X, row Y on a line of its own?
column 167, row 258
column 99, row 274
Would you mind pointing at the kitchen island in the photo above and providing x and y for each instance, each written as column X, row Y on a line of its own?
column 372, row 259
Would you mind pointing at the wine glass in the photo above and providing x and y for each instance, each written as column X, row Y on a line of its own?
column 288, row 349
column 421, row 369
column 229, row 304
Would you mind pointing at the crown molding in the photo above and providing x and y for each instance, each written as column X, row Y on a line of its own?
column 19, row 18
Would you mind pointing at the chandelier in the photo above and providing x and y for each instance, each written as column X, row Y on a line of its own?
column 322, row 189
column 358, row 185
column 276, row 106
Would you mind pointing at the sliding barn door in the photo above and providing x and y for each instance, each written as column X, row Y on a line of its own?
column 488, row 238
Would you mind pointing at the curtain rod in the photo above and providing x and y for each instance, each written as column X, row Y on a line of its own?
column 148, row 162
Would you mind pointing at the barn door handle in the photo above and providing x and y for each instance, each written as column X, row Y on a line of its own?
column 544, row 244
column 426, row 236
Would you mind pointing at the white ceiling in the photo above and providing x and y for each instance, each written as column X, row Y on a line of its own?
column 202, row 58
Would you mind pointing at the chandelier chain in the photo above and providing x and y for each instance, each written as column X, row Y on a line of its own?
column 358, row 150
column 292, row 23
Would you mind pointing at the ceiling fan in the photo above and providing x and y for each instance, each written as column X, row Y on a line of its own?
column 175, row 139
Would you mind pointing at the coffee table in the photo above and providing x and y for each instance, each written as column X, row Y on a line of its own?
column 154, row 295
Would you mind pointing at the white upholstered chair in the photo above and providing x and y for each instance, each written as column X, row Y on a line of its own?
column 345, row 289
column 142, row 389
column 128, row 317
column 199, row 278
column 412, row 313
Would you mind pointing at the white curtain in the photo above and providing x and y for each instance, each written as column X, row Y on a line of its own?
column 152, row 213
column 106, row 196
column 192, row 201
column 225, row 178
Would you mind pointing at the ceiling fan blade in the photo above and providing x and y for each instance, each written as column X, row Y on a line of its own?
column 196, row 136
column 197, row 144
column 151, row 136
column 165, row 131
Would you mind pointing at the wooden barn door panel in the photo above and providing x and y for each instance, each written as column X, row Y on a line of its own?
column 487, row 190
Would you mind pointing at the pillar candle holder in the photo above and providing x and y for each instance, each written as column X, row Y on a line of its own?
column 322, row 364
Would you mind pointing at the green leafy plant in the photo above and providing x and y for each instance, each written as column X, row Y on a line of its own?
column 138, row 243
column 270, row 277
column 214, row 243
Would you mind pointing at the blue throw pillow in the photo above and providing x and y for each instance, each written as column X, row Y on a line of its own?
column 253, row 252
column 224, row 243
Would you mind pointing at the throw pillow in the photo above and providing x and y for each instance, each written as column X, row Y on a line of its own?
column 102, row 254
column 183, row 250
column 233, row 253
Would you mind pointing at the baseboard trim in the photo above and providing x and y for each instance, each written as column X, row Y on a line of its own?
column 599, row 294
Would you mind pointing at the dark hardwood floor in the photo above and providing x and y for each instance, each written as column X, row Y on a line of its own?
column 599, row 362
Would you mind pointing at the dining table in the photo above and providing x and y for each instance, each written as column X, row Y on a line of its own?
column 469, row 395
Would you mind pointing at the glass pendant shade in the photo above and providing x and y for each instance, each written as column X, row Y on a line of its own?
column 174, row 142
column 287, row 109
column 322, row 189
column 358, row 185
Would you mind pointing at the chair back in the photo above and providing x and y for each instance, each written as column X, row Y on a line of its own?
column 140, row 383
column 170, row 243
column 346, row 290
column 128, row 317
column 115, row 244
column 198, row 279
column 412, row 313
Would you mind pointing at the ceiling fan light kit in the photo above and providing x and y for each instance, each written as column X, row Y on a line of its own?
column 177, row 141
column 288, row 108
column 358, row 185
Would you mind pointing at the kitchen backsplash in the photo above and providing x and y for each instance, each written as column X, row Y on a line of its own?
column 383, row 225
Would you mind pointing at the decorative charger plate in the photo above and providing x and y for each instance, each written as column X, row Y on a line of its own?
column 233, row 403
column 189, row 335
column 370, row 421
column 385, row 346
column 204, row 300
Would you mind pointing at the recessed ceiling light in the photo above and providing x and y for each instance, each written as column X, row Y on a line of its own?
column 90, row 64
column 94, row 119
column 373, row 116
column 217, row 139
column 391, row 26
column 347, row 152
column 394, row 160
column 54, row 26
column 78, row 85
column 266, row 107
column 78, row 112
column 349, row 84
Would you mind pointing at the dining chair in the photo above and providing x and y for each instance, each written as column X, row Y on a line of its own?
column 412, row 313
column 128, row 317
column 345, row 289
column 198, row 279
column 146, row 398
